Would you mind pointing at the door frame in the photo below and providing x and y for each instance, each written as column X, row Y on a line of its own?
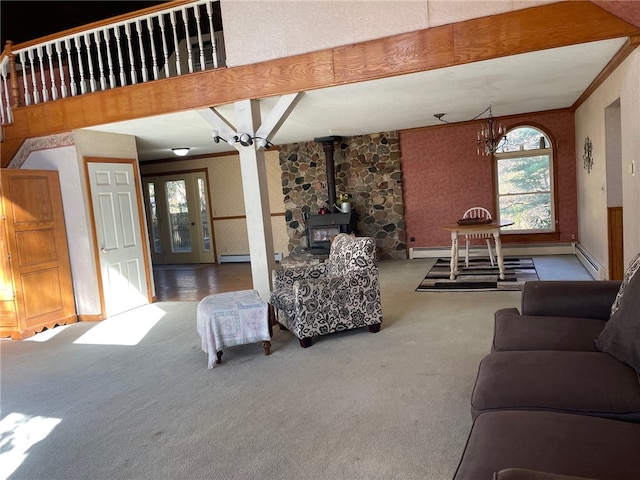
column 205, row 172
column 144, row 235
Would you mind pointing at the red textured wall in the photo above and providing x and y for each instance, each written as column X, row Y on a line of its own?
column 443, row 176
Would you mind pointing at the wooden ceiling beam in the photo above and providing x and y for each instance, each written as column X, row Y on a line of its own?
column 522, row 31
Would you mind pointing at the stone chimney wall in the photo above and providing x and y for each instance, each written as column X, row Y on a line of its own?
column 367, row 167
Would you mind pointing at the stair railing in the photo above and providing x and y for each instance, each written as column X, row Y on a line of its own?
column 166, row 43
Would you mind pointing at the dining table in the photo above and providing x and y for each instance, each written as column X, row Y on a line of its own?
column 464, row 228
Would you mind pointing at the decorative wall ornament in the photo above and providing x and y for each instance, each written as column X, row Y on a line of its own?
column 587, row 156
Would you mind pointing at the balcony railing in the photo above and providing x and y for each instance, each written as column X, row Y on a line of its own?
column 166, row 43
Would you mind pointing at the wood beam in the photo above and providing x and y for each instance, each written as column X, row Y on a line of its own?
column 538, row 28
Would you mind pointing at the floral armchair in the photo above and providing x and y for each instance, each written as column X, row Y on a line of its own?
column 340, row 294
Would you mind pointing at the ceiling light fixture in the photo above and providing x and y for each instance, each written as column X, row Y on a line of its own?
column 243, row 139
column 492, row 135
column 439, row 117
column 181, row 151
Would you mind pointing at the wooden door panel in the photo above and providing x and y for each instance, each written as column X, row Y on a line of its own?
column 29, row 209
column 127, row 220
column 35, row 247
column 108, row 220
column 36, row 239
column 42, row 289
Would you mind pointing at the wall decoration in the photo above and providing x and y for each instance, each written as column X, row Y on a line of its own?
column 587, row 156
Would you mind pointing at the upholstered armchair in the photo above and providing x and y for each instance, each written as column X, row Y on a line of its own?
column 339, row 294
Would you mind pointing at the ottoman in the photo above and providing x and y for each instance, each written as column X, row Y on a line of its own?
column 233, row 318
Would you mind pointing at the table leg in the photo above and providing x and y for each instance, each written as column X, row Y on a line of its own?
column 266, row 346
column 496, row 236
column 454, row 255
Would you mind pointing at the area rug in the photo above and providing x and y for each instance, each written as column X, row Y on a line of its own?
column 479, row 276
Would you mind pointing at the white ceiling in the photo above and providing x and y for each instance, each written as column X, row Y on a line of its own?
column 531, row 82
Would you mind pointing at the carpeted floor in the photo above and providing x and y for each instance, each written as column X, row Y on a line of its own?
column 131, row 397
column 479, row 276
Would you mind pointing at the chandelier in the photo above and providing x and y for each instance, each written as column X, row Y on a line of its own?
column 492, row 135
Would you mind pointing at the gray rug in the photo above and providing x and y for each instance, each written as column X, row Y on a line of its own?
column 479, row 276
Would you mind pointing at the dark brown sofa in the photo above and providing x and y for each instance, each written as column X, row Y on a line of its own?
column 546, row 359
column 558, row 397
column 551, row 443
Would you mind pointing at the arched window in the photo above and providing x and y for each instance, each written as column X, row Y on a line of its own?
column 524, row 177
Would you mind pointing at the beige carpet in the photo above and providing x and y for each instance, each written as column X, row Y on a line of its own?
column 132, row 398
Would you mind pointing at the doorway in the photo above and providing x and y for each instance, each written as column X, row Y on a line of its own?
column 615, row 230
column 178, row 218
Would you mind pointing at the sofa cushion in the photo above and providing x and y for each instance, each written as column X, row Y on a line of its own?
column 621, row 336
column 559, row 443
column 513, row 331
column 592, row 383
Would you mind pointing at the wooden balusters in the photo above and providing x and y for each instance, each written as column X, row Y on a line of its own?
column 43, row 90
column 75, row 64
column 154, row 56
column 212, row 36
column 196, row 12
column 176, row 45
column 54, row 88
column 63, row 84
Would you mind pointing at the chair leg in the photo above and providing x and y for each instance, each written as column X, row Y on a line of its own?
column 374, row 328
column 466, row 256
column 490, row 253
column 306, row 342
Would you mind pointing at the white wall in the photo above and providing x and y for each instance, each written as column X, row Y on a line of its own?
column 257, row 30
column 630, row 109
column 624, row 83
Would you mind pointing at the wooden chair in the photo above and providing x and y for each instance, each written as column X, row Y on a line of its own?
column 478, row 212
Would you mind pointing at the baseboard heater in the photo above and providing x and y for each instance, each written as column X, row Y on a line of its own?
column 593, row 267
column 529, row 249
column 241, row 258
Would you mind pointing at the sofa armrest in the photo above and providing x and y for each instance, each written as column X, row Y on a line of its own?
column 286, row 276
column 570, row 298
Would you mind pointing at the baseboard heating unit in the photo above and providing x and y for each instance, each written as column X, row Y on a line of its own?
column 516, row 250
column 242, row 258
column 593, row 267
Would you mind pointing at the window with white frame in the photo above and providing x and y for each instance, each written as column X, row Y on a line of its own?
column 524, row 181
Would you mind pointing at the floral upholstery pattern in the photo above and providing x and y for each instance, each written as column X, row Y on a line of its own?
column 340, row 294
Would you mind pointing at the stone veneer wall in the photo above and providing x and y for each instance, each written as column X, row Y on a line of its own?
column 367, row 167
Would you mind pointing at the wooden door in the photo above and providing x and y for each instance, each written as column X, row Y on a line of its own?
column 115, row 200
column 8, row 317
column 38, row 251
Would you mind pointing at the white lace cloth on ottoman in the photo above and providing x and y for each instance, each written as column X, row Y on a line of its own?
column 233, row 318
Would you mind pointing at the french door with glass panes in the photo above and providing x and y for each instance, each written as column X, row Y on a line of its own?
column 178, row 217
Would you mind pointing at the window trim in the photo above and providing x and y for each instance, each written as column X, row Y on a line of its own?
column 550, row 150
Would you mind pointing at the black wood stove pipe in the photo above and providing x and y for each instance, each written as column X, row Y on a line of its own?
column 328, row 147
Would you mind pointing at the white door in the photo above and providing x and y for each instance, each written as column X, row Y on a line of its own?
column 179, row 221
column 119, row 235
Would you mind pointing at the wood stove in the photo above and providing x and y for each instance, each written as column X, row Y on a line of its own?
column 320, row 229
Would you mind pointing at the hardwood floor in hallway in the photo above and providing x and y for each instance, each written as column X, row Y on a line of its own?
column 194, row 282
